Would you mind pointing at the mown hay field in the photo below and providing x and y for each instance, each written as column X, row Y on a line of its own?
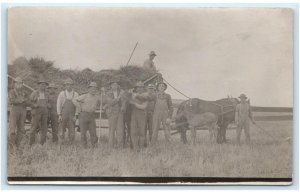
column 264, row 157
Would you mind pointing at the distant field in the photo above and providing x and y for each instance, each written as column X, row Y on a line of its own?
column 273, row 116
column 263, row 158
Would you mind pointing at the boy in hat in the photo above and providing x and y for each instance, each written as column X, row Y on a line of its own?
column 18, row 100
column 149, row 64
column 52, row 110
column 39, row 100
column 243, row 115
column 86, row 105
column 138, row 118
column 163, row 111
column 115, row 108
column 66, row 109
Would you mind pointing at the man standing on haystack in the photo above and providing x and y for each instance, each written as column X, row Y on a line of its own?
column 40, row 102
column 86, row 106
column 18, row 100
column 52, row 107
column 243, row 115
column 115, row 108
column 149, row 64
column 66, row 109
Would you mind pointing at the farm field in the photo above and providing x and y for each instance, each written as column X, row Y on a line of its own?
column 264, row 157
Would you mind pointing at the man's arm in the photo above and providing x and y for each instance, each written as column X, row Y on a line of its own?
column 236, row 117
column 77, row 102
column 13, row 98
column 170, row 105
column 251, row 114
column 59, row 103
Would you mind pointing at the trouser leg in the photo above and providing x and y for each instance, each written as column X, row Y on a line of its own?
column 71, row 127
column 141, row 129
column 21, row 126
column 64, row 124
column 92, row 130
column 133, row 132
column 112, row 129
column 120, row 129
column 239, row 131
column 247, row 132
column 156, row 125
column 83, row 129
column 44, row 126
column 166, row 129
column 35, row 124
column 54, row 126
column 13, row 118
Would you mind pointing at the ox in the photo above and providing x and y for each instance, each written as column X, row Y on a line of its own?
column 223, row 109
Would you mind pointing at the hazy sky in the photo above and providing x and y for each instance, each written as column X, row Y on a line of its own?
column 205, row 53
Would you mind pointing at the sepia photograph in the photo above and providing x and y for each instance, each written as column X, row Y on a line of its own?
column 171, row 96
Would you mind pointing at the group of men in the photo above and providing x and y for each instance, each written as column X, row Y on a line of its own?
column 150, row 107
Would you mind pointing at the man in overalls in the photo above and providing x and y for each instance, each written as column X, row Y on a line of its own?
column 66, row 110
column 163, row 111
column 18, row 100
column 39, row 100
column 86, row 105
column 138, row 118
column 52, row 110
column 115, row 108
column 149, row 118
column 243, row 115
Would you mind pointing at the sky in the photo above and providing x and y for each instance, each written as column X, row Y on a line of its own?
column 208, row 53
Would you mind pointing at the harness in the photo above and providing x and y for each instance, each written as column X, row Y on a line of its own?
column 222, row 110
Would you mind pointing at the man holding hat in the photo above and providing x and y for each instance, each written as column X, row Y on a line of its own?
column 86, row 105
column 52, row 110
column 149, row 64
column 243, row 115
column 66, row 109
column 138, row 118
column 163, row 111
column 40, row 101
column 18, row 100
column 115, row 109
column 150, row 111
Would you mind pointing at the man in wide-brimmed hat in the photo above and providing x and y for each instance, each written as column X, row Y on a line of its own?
column 18, row 100
column 66, row 109
column 149, row 64
column 163, row 111
column 86, row 105
column 138, row 118
column 114, row 107
column 40, row 102
column 52, row 110
column 243, row 115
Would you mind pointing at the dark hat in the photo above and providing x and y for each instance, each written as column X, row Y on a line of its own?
column 18, row 80
column 93, row 84
column 68, row 81
column 42, row 80
column 152, row 53
column 139, row 84
column 166, row 86
column 151, row 86
column 243, row 96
